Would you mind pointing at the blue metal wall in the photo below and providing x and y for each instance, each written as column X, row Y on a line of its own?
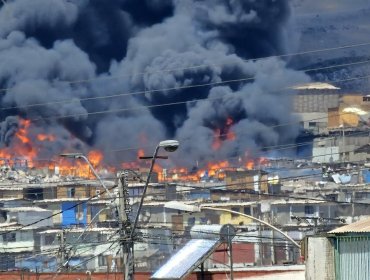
column 352, row 257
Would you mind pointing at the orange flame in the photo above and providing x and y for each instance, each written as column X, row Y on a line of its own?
column 23, row 131
column 22, row 147
column 46, row 137
column 222, row 134
column 140, row 153
column 159, row 170
column 249, row 165
column 95, row 157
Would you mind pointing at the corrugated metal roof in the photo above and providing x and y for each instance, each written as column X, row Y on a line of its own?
column 360, row 226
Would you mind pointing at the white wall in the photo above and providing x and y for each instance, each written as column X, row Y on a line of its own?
column 320, row 259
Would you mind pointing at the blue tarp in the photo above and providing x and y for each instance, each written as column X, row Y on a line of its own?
column 74, row 213
column 366, row 176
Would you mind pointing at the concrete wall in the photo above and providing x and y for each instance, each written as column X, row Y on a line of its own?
column 40, row 218
column 325, row 154
column 320, row 259
column 281, row 214
column 315, row 101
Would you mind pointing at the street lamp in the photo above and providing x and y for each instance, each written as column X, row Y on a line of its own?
column 181, row 206
column 169, row 146
column 81, row 156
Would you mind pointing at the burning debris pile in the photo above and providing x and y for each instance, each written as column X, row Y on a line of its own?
column 124, row 74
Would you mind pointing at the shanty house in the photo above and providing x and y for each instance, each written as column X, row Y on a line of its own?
column 344, row 253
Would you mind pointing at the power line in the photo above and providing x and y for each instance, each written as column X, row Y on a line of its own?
column 53, row 215
column 223, row 185
column 204, row 65
column 187, row 87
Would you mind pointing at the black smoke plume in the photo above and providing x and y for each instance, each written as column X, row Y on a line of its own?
column 70, row 65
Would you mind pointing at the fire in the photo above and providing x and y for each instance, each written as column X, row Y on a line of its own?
column 249, row 165
column 95, row 157
column 140, row 153
column 24, row 150
column 46, row 137
column 230, row 135
column 21, row 146
column 23, row 131
column 159, row 170
column 222, row 134
column 26, row 145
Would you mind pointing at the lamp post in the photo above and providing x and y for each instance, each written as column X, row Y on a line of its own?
column 169, row 146
column 128, row 245
column 198, row 208
column 193, row 208
column 83, row 157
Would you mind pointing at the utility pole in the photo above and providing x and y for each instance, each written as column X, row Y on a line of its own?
column 125, row 226
column 63, row 255
column 230, row 245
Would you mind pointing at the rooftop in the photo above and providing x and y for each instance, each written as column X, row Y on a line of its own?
column 361, row 226
column 25, row 209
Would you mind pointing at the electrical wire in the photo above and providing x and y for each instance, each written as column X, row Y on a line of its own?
column 126, row 109
column 205, row 65
column 77, row 100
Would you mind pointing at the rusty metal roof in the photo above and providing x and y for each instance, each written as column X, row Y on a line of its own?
column 358, row 227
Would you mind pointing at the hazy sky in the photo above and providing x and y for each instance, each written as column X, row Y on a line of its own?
column 315, row 6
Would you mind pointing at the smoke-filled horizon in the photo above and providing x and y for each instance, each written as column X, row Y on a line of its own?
column 44, row 43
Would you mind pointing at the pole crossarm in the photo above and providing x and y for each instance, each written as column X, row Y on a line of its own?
column 252, row 218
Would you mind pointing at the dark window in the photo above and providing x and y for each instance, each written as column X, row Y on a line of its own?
column 366, row 98
column 9, row 237
column 203, row 220
column 34, row 194
column 309, row 210
column 71, row 192
column 102, row 237
column 236, row 209
column 247, row 210
column 191, row 221
column 312, row 124
column 49, row 239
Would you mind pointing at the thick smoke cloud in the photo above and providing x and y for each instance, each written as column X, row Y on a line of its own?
column 148, row 48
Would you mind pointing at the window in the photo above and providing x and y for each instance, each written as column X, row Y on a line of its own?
column 102, row 237
column 236, row 209
column 71, row 192
column 309, row 210
column 102, row 261
column 49, row 239
column 9, row 237
column 247, row 210
column 366, row 98
column 191, row 221
column 203, row 220
column 312, row 124
column 34, row 194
